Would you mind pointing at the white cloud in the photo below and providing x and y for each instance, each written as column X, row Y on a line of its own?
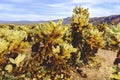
column 76, row 1
column 65, row 13
column 6, row 7
column 30, row 17
column 99, row 12
column 62, row 8
column 95, row 1
column 67, row 5
column 117, row 7
column 21, row 1
column 57, row 5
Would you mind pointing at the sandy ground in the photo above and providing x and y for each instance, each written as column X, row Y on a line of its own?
column 103, row 72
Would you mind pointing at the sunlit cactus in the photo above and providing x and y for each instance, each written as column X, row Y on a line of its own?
column 113, row 36
column 54, row 49
column 80, row 17
column 3, row 46
column 115, row 72
column 52, row 36
column 86, row 37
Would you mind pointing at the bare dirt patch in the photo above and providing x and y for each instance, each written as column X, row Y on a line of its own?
column 103, row 72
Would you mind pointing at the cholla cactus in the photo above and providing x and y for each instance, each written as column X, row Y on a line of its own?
column 94, row 38
column 3, row 46
column 18, row 59
column 53, row 37
column 79, row 22
column 80, row 17
column 113, row 36
column 55, row 50
column 115, row 72
column 13, row 39
column 86, row 37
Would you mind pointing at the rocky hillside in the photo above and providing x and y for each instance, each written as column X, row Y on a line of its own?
column 113, row 19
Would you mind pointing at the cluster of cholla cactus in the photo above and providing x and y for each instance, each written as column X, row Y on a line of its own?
column 46, row 51
column 13, row 48
column 50, row 50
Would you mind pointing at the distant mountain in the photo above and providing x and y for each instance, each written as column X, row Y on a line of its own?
column 113, row 19
column 23, row 22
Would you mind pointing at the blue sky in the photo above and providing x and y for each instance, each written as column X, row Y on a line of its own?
column 34, row 10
